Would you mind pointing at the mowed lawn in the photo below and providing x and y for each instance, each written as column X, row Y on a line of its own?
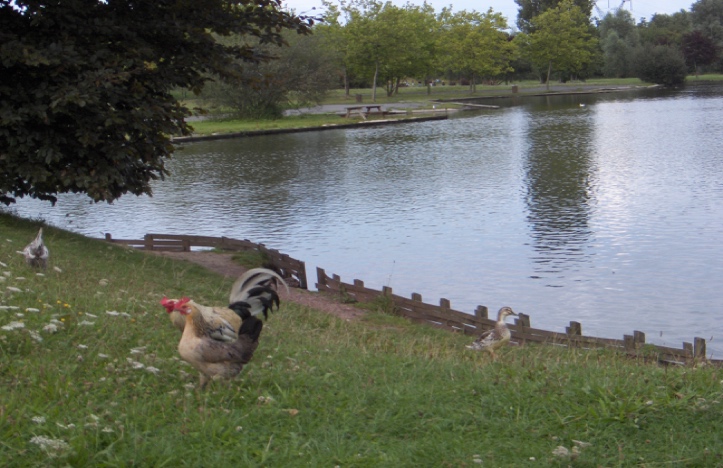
column 90, row 376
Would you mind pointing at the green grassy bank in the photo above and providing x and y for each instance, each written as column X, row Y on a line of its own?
column 417, row 94
column 92, row 378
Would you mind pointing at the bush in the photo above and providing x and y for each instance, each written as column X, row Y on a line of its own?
column 663, row 65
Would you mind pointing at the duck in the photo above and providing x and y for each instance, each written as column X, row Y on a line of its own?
column 36, row 253
column 497, row 337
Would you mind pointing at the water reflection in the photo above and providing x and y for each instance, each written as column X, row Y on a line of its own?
column 558, row 173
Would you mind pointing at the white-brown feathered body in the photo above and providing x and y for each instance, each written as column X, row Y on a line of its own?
column 36, row 253
column 219, row 341
column 257, row 282
column 497, row 337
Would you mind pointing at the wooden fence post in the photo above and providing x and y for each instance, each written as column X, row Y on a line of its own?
column 481, row 312
column 522, row 320
column 417, row 297
column 638, row 338
column 148, row 242
column 699, row 348
column 320, row 277
column 575, row 329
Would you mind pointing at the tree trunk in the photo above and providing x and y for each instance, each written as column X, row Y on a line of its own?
column 374, row 84
column 549, row 71
column 346, row 84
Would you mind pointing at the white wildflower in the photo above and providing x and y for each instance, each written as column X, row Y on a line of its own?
column 239, row 428
column 139, row 350
column 3, row 265
column 7, row 274
column 20, row 278
column 106, row 429
column 2, row 279
column 62, row 426
column 103, row 282
column 86, row 323
column 561, row 452
column 82, row 346
column 137, row 365
column 38, row 419
column 153, row 370
column 31, row 309
column 189, row 386
column 94, row 417
column 35, row 335
column 103, row 356
column 112, row 312
column 50, row 328
column 14, row 289
column 56, row 322
column 13, row 326
column 20, row 315
column 40, row 274
column 9, row 307
column 52, row 447
column 91, row 315
column 57, row 269
column 125, row 314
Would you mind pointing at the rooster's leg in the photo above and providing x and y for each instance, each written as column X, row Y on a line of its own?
column 204, row 380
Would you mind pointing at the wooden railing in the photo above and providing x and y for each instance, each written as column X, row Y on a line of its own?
column 440, row 316
column 443, row 316
column 287, row 266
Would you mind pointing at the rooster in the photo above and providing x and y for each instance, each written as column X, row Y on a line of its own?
column 36, row 253
column 219, row 341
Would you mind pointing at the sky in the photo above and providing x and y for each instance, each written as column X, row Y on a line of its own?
column 508, row 8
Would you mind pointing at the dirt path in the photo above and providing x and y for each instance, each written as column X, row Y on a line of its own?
column 222, row 264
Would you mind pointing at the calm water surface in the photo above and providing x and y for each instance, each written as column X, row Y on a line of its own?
column 610, row 213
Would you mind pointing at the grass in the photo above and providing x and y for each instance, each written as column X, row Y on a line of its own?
column 409, row 94
column 107, row 387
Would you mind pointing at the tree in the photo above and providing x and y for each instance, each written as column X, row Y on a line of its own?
column 387, row 42
column 85, row 99
column 660, row 64
column 698, row 50
column 561, row 40
column 530, row 9
column 476, row 45
column 300, row 76
column 618, row 39
column 707, row 17
column 665, row 29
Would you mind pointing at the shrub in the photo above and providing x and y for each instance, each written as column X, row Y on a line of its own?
column 663, row 65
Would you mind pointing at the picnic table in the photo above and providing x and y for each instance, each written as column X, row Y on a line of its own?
column 363, row 111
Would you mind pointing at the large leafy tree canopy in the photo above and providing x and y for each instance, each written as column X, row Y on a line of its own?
column 85, row 91
column 529, row 9
column 476, row 44
column 560, row 39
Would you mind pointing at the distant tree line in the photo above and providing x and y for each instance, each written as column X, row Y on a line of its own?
column 87, row 96
column 369, row 43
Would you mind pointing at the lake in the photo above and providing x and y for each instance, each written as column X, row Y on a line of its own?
column 605, row 209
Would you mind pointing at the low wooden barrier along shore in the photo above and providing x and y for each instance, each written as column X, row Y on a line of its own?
column 439, row 316
column 287, row 266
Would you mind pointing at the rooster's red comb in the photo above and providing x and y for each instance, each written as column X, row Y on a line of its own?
column 173, row 304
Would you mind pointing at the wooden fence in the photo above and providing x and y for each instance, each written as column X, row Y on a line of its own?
column 443, row 316
column 287, row 266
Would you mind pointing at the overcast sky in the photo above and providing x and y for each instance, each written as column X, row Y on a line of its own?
column 508, row 8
